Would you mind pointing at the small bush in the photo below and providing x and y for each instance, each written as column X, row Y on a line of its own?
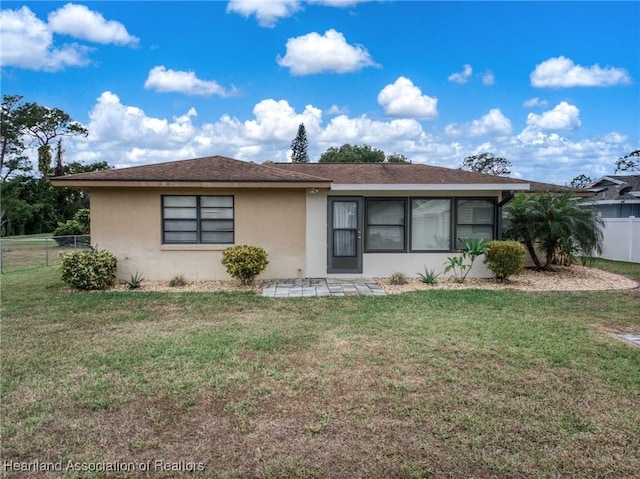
column 245, row 262
column 505, row 258
column 92, row 269
column 461, row 265
column 79, row 225
column 135, row 281
column 429, row 276
column 177, row 281
column 397, row 279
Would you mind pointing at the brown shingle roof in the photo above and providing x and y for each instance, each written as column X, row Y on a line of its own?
column 208, row 169
column 393, row 173
column 220, row 169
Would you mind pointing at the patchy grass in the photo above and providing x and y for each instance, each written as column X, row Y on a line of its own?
column 630, row 270
column 463, row 383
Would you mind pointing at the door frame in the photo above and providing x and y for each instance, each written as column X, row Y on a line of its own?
column 333, row 266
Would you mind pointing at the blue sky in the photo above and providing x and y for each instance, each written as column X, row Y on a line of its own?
column 551, row 86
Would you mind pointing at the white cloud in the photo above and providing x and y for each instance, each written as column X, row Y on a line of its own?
column 561, row 72
column 337, row 3
column 535, row 102
column 462, row 77
column 336, row 110
column 110, row 120
column 27, row 42
column 80, row 22
column 267, row 12
column 404, row 99
column 166, row 80
column 315, row 53
column 494, row 123
column 488, row 78
column 562, row 117
column 363, row 130
column 124, row 135
column 278, row 121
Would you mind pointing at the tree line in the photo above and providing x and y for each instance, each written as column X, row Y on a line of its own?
column 28, row 202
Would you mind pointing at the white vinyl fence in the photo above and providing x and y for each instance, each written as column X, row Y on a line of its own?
column 622, row 239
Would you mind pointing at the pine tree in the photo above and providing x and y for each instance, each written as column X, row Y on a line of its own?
column 299, row 146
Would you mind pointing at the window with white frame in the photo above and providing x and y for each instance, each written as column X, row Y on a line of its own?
column 197, row 219
column 430, row 224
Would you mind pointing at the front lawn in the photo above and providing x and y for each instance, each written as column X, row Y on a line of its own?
column 437, row 384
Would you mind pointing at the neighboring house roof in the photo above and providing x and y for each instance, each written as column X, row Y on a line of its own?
column 615, row 188
column 219, row 171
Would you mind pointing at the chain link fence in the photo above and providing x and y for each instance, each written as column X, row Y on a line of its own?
column 23, row 253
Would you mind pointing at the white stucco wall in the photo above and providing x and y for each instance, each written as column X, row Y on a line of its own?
column 316, row 231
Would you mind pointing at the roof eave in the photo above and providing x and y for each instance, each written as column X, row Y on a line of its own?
column 431, row 187
column 87, row 184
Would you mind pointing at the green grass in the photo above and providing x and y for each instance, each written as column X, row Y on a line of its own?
column 630, row 270
column 37, row 235
column 440, row 383
column 23, row 252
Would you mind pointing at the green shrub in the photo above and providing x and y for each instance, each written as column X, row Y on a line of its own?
column 92, row 269
column 397, row 279
column 79, row 225
column 461, row 265
column 177, row 281
column 83, row 216
column 245, row 262
column 135, row 281
column 505, row 258
column 429, row 277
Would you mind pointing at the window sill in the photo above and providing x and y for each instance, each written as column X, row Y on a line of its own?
column 194, row 247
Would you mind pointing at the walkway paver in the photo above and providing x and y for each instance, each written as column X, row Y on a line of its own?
column 297, row 288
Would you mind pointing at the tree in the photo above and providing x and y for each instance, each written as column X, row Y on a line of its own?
column 581, row 181
column 396, row 158
column 359, row 154
column 487, row 163
column 28, row 203
column 12, row 159
column 630, row 162
column 554, row 223
column 299, row 146
column 43, row 125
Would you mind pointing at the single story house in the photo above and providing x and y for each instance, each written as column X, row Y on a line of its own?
column 616, row 196
column 313, row 219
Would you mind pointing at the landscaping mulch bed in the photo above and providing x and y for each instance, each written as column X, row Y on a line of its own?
column 560, row 278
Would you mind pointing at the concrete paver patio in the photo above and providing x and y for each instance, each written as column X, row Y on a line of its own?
column 296, row 288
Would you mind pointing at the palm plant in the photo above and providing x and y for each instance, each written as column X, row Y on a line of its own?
column 556, row 223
